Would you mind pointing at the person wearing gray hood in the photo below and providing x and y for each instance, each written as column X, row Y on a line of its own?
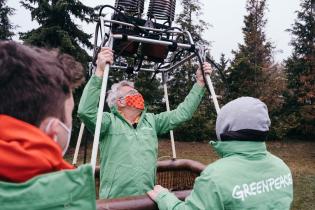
column 247, row 176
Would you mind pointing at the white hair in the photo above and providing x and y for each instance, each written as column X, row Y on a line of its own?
column 114, row 92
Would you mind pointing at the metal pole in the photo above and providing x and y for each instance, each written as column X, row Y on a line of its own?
column 85, row 137
column 152, row 41
column 75, row 158
column 181, row 62
column 160, row 70
column 101, row 105
column 145, row 28
column 125, row 67
column 214, row 96
column 202, row 53
column 168, row 109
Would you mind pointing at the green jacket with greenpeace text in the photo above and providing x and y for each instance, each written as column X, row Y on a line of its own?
column 128, row 155
column 246, row 177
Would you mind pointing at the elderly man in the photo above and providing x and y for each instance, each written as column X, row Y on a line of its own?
column 35, row 127
column 247, row 176
column 128, row 143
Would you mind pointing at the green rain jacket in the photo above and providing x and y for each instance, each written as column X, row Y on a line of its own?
column 128, row 155
column 246, row 177
column 66, row 189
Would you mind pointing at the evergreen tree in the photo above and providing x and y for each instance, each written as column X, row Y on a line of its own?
column 57, row 28
column 253, row 72
column 5, row 26
column 301, row 64
column 190, row 19
column 300, row 69
column 182, row 79
column 246, row 76
column 219, row 79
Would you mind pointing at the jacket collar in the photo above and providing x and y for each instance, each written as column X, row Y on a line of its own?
column 248, row 149
column 115, row 111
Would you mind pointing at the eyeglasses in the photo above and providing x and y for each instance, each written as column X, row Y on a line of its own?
column 129, row 93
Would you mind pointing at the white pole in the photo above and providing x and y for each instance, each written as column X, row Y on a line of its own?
column 101, row 104
column 76, row 153
column 168, row 109
column 100, row 113
column 214, row 96
column 202, row 53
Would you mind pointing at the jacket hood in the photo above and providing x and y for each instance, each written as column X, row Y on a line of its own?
column 244, row 118
column 26, row 151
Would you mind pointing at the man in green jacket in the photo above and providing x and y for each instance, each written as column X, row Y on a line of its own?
column 35, row 127
column 128, row 142
column 247, row 176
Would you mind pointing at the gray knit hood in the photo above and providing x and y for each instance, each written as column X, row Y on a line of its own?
column 245, row 118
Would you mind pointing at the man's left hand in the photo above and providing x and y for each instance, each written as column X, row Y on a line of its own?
column 207, row 69
column 156, row 190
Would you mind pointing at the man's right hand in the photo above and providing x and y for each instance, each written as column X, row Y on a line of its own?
column 104, row 56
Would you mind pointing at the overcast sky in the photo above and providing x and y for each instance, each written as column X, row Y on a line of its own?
column 225, row 16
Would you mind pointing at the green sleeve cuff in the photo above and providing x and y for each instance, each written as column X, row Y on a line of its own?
column 96, row 81
column 161, row 195
column 167, row 200
column 200, row 90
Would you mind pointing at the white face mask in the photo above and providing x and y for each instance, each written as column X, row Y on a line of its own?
column 63, row 143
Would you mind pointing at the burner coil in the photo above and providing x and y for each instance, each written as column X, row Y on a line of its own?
column 131, row 7
column 162, row 9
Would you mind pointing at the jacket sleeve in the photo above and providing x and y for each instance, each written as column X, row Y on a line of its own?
column 87, row 110
column 205, row 195
column 168, row 120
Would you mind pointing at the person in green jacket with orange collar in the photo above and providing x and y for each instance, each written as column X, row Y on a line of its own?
column 247, row 176
column 35, row 126
column 128, row 142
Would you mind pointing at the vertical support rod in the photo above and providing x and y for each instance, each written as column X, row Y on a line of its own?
column 214, row 96
column 168, row 109
column 101, row 104
column 85, row 139
column 76, row 152
column 100, row 112
column 203, row 54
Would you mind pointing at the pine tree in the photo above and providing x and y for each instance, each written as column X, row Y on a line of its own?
column 57, row 28
column 300, row 69
column 192, row 10
column 301, row 64
column 183, row 78
column 219, row 79
column 253, row 72
column 5, row 26
column 246, row 76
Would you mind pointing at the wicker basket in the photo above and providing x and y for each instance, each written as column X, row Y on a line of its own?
column 176, row 175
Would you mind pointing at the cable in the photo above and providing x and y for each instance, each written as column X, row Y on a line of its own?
column 221, row 74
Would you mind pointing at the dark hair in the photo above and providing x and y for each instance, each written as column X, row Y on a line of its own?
column 34, row 82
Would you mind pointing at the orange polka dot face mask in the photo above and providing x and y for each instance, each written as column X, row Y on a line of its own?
column 135, row 101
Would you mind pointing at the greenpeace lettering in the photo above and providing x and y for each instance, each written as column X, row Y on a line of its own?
column 264, row 186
